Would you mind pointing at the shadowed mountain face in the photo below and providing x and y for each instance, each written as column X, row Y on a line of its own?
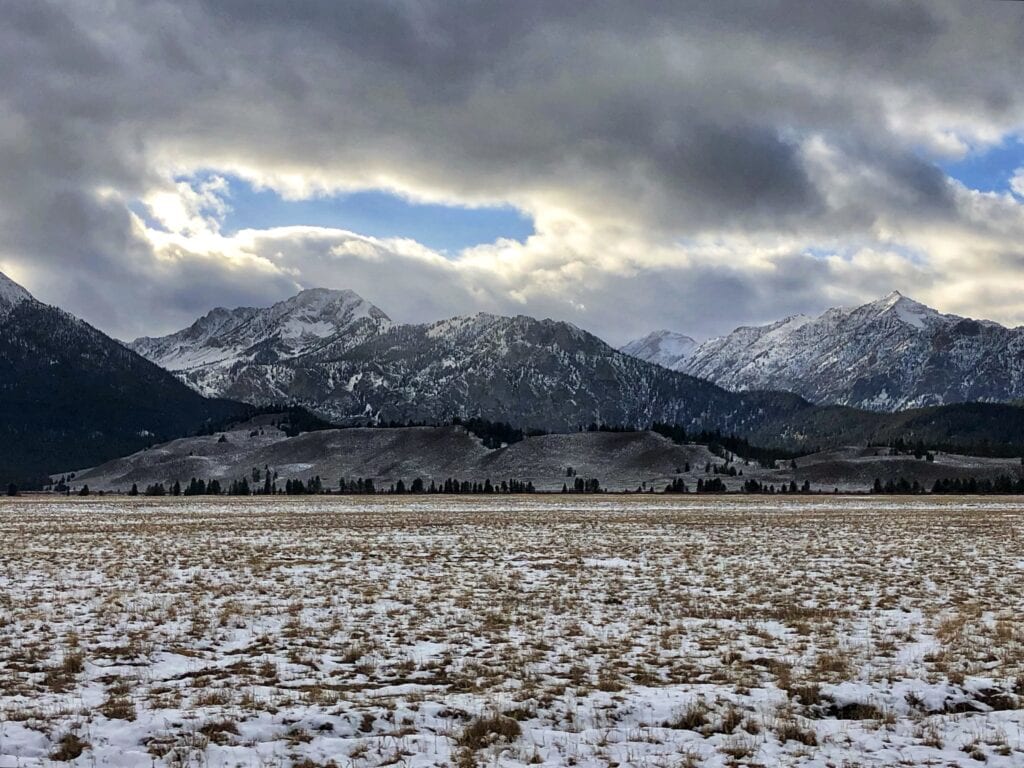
column 71, row 396
column 534, row 373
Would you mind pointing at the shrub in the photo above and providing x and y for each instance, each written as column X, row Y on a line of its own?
column 488, row 729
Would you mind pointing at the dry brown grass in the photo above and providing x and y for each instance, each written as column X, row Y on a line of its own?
column 231, row 611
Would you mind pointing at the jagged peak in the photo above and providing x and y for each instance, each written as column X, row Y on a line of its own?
column 328, row 300
column 891, row 299
column 911, row 312
column 669, row 349
column 307, row 295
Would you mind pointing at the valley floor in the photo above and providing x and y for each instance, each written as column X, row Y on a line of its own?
column 581, row 630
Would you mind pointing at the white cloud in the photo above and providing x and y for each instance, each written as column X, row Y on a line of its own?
column 190, row 209
column 1017, row 182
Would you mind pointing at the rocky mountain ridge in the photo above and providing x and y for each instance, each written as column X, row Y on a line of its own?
column 890, row 354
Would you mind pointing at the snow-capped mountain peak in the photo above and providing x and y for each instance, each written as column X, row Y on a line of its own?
column 911, row 312
column 888, row 354
column 11, row 295
column 316, row 320
column 665, row 348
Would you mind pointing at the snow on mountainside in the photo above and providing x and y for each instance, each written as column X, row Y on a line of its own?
column 207, row 354
column 535, row 373
column 11, row 295
column 890, row 354
column 665, row 348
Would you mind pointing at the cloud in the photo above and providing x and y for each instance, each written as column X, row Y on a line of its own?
column 1017, row 182
column 687, row 165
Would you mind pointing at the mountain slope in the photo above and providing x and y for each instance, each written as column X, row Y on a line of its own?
column 71, row 396
column 535, row 373
column 983, row 429
column 11, row 295
column 665, row 348
column 888, row 355
column 214, row 351
column 620, row 460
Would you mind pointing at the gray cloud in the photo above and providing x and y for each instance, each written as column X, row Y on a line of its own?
column 680, row 159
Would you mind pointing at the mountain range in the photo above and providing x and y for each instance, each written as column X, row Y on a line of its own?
column 888, row 355
column 341, row 357
column 72, row 396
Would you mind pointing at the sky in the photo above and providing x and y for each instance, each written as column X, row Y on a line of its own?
column 623, row 166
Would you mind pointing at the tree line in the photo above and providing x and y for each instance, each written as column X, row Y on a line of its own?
column 1003, row 484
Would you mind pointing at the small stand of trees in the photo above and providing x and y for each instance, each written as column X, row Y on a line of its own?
column 712, row 485
column 676, row 486
column 753, row 486
column 1003, row 484
column 583, row 485
column 901, row 447
column 723, row 445
column 357, row 486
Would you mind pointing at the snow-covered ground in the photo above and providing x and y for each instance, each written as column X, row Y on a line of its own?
column 588, row 631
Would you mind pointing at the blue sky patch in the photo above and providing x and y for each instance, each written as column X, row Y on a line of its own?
column 377, row 214
column 989, row 170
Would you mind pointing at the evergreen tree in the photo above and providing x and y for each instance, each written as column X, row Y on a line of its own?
column 676, row 486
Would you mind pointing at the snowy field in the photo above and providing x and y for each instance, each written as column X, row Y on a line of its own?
column 600, row 631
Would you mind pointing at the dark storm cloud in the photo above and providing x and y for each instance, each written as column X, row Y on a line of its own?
column 653, row 124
